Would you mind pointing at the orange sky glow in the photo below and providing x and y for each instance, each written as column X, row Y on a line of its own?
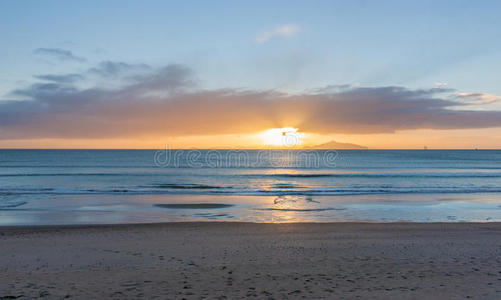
column 410, row 139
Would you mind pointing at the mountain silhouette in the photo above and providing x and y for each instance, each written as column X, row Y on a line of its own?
column 336, row 145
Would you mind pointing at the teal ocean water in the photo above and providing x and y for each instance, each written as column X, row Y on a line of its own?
column 143, row 186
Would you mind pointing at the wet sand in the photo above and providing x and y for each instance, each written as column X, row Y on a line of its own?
column 264, row 261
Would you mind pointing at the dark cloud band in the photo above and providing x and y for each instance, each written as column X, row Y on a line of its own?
column 166, row 102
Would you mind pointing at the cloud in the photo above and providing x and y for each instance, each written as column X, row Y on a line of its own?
column 59, row 54
column 166, row 102
column 114, row 68
column 478, row 98
column 281, row 31
column 441, row 84
column 61, row 78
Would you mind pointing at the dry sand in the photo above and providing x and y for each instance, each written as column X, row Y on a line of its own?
column 265, row 261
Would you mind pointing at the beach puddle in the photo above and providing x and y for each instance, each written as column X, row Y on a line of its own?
column 301, row 209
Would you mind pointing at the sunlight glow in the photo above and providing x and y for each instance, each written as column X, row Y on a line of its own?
column 282, row 137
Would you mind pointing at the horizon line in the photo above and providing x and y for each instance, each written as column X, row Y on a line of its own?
column 337, row 149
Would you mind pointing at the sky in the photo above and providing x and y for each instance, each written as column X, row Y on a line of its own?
column 222, row 74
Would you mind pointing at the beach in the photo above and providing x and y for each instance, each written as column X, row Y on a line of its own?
column 225, row 260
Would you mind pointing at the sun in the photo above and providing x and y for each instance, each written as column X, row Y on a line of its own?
column 282, row 137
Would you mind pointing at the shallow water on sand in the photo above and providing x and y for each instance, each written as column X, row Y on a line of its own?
column 143, row 186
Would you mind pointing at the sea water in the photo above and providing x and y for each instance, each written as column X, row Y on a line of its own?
column 144, row 186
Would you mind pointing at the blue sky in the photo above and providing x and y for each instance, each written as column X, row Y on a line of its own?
column 380, row 73
column 371, row 43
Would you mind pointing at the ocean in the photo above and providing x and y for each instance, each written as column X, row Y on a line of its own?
column 49, row 187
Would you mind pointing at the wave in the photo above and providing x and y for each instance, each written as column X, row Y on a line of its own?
column 381, row 175
column 213, row 216
column 341, row 174
column 245, row 191
column 367, row 191
column 7, row 205
column 194, row 205
column 75, row 174
column 23, row 190
column 285, row 186
column 301, row 175
column 186, row 186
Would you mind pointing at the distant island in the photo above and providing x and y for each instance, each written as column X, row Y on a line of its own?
column 335, row 145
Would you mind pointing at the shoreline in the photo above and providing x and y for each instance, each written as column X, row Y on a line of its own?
column 6, row 230
column 155, row 224
column 135, row 209
column 231, row 260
